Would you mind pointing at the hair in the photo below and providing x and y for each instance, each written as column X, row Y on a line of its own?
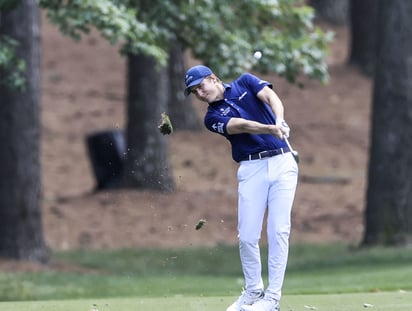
column 215, row 77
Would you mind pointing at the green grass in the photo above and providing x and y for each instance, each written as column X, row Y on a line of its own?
column 210, row 278
column 341, row 269
column 332, row 302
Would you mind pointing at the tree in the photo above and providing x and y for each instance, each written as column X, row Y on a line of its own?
column 388, row 216
column 364, row 18
column 21, row 234
column 152, row 91
column 180, row 108
column 335, row 11
column 147, row 164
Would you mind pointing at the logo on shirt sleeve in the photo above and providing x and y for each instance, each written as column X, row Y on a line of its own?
column 224, row 111
column 218, row 127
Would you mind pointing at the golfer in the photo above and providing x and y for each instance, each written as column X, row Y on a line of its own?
column 251, row 116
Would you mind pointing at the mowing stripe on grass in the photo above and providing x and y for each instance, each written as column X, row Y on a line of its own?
column 387, row 301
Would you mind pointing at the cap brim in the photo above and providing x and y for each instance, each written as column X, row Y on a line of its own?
column 194, row 83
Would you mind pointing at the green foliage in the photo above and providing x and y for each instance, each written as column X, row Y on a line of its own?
column 115, row 21
column 8, row 4
column 12, row 68
column 225, row 34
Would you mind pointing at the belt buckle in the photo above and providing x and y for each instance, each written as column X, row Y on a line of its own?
column 262, row 154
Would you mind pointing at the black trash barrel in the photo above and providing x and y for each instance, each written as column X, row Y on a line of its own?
column 107, row 150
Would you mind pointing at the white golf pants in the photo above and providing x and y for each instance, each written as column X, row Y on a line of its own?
column 269, row 183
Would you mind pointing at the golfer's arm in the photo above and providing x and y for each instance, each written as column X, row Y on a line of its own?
column 239, row 126
column 268, row 96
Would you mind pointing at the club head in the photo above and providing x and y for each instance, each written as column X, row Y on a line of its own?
column 296, row 156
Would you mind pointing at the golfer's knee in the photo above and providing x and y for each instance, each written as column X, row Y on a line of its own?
column 248, row 241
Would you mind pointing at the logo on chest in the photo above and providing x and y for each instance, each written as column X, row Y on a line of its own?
column 243, row 95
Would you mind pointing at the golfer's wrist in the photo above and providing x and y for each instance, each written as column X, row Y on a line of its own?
column 282, row 123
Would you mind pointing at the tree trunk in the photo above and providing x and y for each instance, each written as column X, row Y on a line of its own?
column 147, row 164
column 182, row 114
column 21, row 234
column 364, row 19
column 388, row 216
column 332, row 11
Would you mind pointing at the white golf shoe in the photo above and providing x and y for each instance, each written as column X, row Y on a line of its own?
column 262, row 305
column 246, row 299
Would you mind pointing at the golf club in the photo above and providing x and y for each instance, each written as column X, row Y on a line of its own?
column 294, row 152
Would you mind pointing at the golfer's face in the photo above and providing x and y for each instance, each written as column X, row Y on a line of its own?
column 207, row 90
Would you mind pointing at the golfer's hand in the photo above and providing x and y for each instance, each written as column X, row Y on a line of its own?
column 284, row 128
column 276, row 131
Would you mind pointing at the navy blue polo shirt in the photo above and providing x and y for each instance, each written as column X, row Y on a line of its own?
column 240, row 101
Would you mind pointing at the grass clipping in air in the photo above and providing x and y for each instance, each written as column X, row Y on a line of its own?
column 165, row 126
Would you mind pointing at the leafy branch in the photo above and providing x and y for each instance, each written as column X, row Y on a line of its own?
column 12, row 68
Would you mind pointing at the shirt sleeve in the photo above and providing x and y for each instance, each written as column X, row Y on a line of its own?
column 217, row 123
column 254, row 83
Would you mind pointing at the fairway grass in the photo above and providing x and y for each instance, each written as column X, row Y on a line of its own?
column 319, row 277
column 390, row 301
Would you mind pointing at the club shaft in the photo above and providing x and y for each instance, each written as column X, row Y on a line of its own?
column 294, row 153
column 289, row 145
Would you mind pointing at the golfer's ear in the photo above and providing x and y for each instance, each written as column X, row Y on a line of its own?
column 215, row 78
